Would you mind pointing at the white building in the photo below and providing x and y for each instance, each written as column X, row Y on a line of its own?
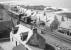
column 16, row 38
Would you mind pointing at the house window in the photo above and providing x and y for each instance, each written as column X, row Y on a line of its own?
column 1, row 18
column 24, row 36
column 1, row 15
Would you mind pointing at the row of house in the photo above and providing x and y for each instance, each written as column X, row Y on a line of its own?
column 48, row 14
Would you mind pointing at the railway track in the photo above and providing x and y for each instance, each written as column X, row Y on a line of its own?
column 58, row 36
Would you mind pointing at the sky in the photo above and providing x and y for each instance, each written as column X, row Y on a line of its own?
column 55, row 3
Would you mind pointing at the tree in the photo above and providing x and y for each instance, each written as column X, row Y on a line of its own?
column 54, row 25
column 62, row 19
column 2, row 6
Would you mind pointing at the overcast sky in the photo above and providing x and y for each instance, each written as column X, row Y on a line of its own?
column 56, row 3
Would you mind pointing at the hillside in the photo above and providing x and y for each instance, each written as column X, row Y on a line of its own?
column 35, row 7
column 5, row 22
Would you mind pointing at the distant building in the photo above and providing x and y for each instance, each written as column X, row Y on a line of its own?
column 67, row 20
